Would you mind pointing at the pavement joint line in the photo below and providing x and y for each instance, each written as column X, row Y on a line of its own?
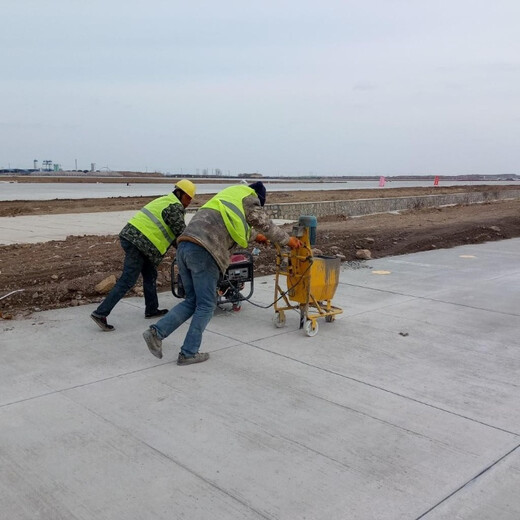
column 82, row 385
column 427, row 298
column 171, row 459
column 123, row 374
column 239, row 344
column 364, row 414
column 376, row 309
column 288, row 439
column 470, row 481
column 359, row 412
column 386, row 390
column 333, row 403
column 273, row 335
column 301, row 445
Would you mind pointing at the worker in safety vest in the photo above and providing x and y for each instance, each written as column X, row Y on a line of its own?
column 146, row 239
column 203, row 253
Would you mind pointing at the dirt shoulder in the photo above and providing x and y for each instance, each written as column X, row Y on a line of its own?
column 64, row 273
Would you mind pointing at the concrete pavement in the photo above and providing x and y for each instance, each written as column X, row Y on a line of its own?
column 405, row 407
column 30, row 229
column 27, row 229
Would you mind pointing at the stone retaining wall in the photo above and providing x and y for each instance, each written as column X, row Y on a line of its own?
column 358, row 207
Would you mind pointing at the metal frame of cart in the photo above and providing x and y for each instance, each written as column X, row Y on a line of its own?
column 311, row 284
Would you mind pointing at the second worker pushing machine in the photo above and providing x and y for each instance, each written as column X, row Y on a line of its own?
column 203, row 253
column 146, row 239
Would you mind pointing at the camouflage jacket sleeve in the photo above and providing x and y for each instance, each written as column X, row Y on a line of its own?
column 173, row 216
column 257, row 218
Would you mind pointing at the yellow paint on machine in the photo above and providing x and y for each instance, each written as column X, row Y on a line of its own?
column 321, row 281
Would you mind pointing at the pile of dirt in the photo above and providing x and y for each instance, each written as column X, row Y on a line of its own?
column 64, row 273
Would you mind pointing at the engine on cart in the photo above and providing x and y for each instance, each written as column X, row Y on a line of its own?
column 234, row 286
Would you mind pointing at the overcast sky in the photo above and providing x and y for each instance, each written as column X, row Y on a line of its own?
column 326, row 87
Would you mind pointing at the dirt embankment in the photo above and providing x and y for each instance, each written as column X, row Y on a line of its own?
column 63, row 273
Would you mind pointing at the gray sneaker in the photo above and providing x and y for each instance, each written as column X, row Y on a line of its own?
column 153, row 342
column 199, row 357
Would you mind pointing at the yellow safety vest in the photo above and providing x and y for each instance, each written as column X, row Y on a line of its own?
column 229, row 202
column 150, row 223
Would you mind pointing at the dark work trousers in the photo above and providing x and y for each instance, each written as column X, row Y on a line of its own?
column 135, row 264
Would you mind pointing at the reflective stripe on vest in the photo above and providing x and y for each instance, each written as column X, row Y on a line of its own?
column 150, row 223
column 229, row 203
column 166, row 234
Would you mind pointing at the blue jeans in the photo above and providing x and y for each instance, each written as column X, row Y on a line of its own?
column 135, row 264
column 199, row 273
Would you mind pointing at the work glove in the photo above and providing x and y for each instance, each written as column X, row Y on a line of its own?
column 261, row 239
column 294, row 243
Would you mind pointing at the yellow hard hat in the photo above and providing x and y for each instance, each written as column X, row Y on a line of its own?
column 187, row 187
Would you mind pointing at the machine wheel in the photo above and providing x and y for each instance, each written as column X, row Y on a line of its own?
column 329, row 319
column 309, row 329
column 237, row 307
column 279, row 319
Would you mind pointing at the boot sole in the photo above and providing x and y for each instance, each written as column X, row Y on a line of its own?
column 153, row 350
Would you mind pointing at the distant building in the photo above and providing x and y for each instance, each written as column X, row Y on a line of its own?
column 250, row 175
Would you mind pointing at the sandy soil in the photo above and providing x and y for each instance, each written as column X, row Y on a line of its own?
column 64, row 273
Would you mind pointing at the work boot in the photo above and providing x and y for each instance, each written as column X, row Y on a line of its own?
column 153, row 343
column 157, row 314
column 199, row 357
column 101, row 321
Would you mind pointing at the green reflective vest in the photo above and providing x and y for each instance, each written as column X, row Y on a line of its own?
column 150, row 223
column 229, row 203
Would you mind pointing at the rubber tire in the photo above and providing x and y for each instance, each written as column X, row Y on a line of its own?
column 309, row 331
column 279, row 320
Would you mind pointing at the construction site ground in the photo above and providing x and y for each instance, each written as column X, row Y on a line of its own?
column 62, row 273
column 405, row 407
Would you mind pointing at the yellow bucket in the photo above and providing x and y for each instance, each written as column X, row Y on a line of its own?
column 323, row 278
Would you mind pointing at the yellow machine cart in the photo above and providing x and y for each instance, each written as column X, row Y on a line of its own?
column 311, row 281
